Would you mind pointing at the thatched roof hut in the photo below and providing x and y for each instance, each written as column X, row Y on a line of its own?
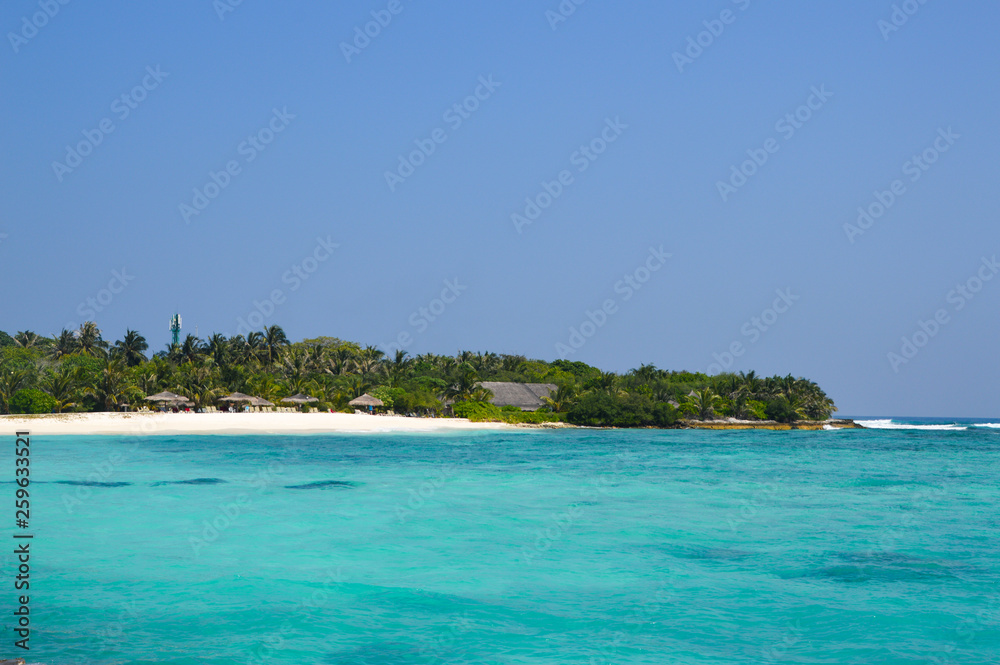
column 249, row 399
column 166, row 396
column 300, row 399
column 366, row 400
column 525, row 396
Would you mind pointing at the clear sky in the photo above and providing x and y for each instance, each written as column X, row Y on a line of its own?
column 616, row 126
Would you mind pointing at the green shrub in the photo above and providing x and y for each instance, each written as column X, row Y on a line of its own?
column 476, row 411
column 604, row 409
column 780, row 410
column 32, row 400
column 757, row 409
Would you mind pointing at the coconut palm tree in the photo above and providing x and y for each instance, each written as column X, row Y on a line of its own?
column 27, row 339
column 398, row 368
column 147, row 380
column 464, row 386
column 701, row 403
column 339, row 361
column 63, row 345
column 89, row 341
column 562, row 397
column 199, row 383
column 273, row 341
column 131, row 348
column 192, row 350
column 218, row 347
column 264, row 385
column 111, row 388
column 357, row 385
column 63, row 386
column 10, row 382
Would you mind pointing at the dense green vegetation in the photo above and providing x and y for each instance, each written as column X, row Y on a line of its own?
column 80, row 371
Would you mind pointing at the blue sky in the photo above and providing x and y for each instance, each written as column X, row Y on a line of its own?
column 309, row 134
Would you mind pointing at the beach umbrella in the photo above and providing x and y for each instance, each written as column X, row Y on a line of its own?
column 237, row 397
column 366, row 400
column 166, row 396
column 249, row 399
column 300, row 399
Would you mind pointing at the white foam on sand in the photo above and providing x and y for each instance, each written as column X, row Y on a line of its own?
column 230, row 423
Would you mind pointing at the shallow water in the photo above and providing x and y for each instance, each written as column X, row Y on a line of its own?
column 522, row 547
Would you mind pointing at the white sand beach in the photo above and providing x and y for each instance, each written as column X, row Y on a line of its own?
column 230, row 423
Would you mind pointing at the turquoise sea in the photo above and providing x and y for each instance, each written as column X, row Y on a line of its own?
column 575, row 546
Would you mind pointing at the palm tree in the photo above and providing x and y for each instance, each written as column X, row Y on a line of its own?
column 10, row 382
column 702, row 403
column 255, row 346
column 273, row 341
column 27, row 339
column 199, row 383
column 63, row 386
column 464, row 386
column 218, row 348
column 339, row 361
column 562, row 397
column 192, row 349
column 131, row 348
column 645, row 373
column 398, row 368
column 357, row 386
column 147, row 380
column 64, row 345
column 111, row 389
column 264, row 385
column 369, row 361
column 89, row 341
column 511, row 363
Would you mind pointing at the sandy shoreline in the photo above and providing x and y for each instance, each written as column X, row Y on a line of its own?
column 230, row 423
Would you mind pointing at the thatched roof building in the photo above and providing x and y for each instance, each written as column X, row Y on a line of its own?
column 366, row 400
column 525, row 396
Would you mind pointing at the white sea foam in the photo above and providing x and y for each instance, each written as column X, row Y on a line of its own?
column 890, row 424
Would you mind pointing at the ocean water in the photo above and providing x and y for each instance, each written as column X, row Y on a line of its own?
column 575, row 546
